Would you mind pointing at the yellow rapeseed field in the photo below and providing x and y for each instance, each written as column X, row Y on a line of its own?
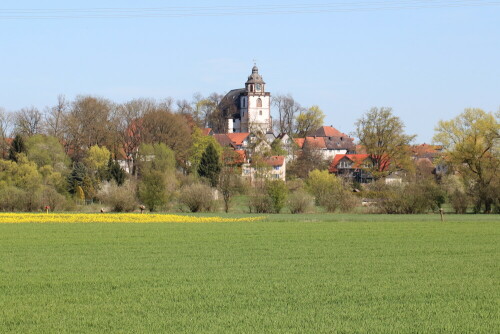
column 12, row 218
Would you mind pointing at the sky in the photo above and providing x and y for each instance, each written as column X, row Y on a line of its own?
column 428, row 60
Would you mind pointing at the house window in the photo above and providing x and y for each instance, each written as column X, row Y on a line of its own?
column 276, row 167
column 259, row 103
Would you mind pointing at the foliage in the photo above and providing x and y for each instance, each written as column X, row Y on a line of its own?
column 308, row 121
column 156, row 157
column 96, row 161
column 209, row 166
column 277, row 192
column 230, row 183
column 329, row 191
column 411, row 198
column 199, row 145
column 121, row 198
column 309, row 159
column 154, row 190
column 472, row 144
column 115, row 172
column 382, row 136
column 198, row 197
column 300, row 202
column 16, row 147
column 47, row 151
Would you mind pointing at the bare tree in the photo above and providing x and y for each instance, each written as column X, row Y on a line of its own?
column 28, row 121
column 54, row 117
column 88, row 123
column 286, row 108
column 130, row 127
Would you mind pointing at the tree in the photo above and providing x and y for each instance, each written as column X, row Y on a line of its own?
column 5, row 122
column 309, row 159
column 286, row 108
column 131, row 127
column 162, row 126
column 152, row 190
column 210, row 165
column 308, row 121
column 54, row 117
column 115, row 172
column 472, row 145
column 199, row 144
column 28, row 121
column 16, row 148
column 96, row 161
column 382, row 136
column 47, row 151
column 88, row 123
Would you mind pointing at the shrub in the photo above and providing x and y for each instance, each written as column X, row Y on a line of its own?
column 119, row 198
column 198, row 197
column 300, row 202
column 411, row 198
column 348, row 201
column 277, row 192
column 459, row 201
column 259, row 202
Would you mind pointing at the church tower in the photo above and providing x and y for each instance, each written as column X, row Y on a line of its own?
column 255, row 105
column 248, row 109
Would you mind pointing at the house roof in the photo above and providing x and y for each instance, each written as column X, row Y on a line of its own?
column 339, row 143
column 275, row 160
column 317, row 142
column 426, row 150
column 238, row 138
column 223, row 140
column 299, row 141
column 206, row 131
column 329, row 131
column 357, row 159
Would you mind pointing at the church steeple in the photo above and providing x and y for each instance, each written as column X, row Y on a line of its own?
column 255, row 83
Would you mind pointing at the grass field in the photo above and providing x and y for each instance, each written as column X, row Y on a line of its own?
column 286, row 274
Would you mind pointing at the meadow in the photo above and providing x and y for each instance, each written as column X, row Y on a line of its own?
column 322, row 273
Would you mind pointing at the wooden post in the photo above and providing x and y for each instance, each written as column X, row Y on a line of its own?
column 441, row 212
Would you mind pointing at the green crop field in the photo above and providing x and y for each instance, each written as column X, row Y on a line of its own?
column 286, row 274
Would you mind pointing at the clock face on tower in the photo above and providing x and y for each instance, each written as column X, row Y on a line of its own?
column 257, row 87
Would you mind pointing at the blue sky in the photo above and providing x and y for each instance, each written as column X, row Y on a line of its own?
column 427, row 64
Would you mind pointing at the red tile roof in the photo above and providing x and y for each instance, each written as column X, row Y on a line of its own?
column 238, row 138
column 275, row 160
column 357, row 159
column 316, row 142
column 299, row 141
column 329, row 131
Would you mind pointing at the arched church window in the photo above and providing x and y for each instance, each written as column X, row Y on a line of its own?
column 260, row 111
column 259, row 104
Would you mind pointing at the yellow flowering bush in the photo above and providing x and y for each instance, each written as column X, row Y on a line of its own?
column 113, row 218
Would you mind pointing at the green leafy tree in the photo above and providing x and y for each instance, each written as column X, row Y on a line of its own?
column 115, row 172
column 382, row 136
column 472, row 147
column 153, row 190
column 47, row 151
column 308, row 121
column 209, row 166
column 199, row 144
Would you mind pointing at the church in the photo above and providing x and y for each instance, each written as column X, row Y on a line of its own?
column 248, row 109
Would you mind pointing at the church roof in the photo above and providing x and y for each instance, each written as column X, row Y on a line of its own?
column 255, row 77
